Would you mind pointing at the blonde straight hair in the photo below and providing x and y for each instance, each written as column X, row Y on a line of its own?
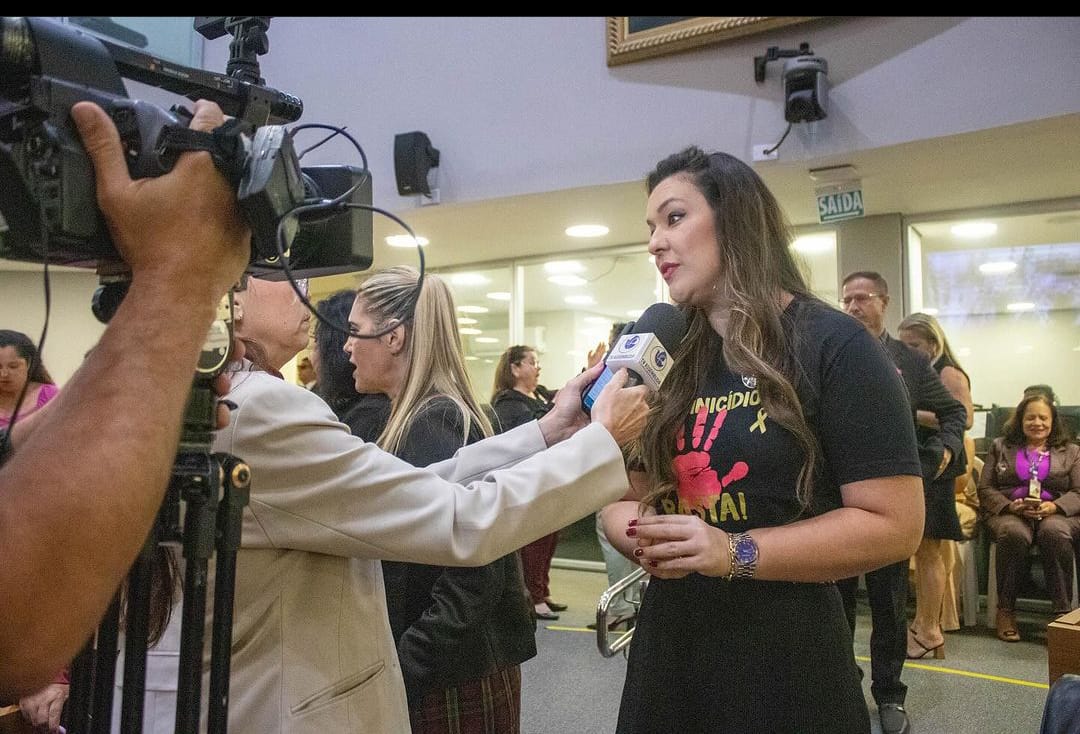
column 435, row 360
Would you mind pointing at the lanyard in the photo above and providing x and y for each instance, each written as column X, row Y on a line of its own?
column 1033, row 466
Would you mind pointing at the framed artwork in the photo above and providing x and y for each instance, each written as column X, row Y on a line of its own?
column 633, row 38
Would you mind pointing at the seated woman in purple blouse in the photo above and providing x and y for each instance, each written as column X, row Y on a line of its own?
column 1029, row 492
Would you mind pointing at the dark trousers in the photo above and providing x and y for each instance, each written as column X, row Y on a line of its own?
column 1055, row 537
column 886, row 589
column 536, row 566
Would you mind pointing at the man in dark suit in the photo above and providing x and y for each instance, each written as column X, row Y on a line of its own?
column 866, row 297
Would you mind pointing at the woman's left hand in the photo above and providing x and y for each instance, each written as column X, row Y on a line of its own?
column 673, row 546
column 42, row 709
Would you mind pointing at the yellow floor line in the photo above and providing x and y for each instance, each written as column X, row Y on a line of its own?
column 966, row 673
column 865, row 659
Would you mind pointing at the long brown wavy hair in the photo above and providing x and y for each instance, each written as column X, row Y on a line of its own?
column 757, row 266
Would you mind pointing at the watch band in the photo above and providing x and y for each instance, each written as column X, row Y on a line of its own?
column 742, row 555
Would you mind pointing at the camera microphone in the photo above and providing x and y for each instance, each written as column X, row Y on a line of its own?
column 644, row 349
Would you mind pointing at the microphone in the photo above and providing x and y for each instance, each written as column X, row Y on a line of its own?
column 644, row 349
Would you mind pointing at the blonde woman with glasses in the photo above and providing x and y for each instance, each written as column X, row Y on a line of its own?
column 461, row 633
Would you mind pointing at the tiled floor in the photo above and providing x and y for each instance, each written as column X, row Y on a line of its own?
column 983, row 686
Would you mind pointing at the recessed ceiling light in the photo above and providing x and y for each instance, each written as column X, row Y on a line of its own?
column 469, row 279
column 470, row 331
column 470, row 358
column 486, row 340
column 814, row 244
column 973, row 230
column 999, row 267
column 1024, row 348
column 466, row 321
column 580, row 300
column 499, row 296
column 567, row 280
column 489, row 361
column 587, row 230
column 404, row 240
column 557, row 267
column 473, row 309
column 635, row 312
column 1021, row 306
column 929, row 311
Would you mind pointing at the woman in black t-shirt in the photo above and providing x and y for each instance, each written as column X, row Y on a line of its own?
column 780, row 454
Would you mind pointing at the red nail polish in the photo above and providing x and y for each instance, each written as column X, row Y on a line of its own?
column 631, row 532
column 639, row 552
column 632, row 522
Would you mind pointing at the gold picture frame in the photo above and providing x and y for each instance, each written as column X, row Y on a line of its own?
column 627, row 43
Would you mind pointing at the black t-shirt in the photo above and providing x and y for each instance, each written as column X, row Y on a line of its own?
column 737, row 468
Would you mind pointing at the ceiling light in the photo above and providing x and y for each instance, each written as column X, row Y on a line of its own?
column 470, row 331
column 601, row 320
column 635, row 312
column 814, row 244
column 499, row 296
column 473, row 309
column 1024, row 349
column 580, row 300
column 486, row 340
column 963, row 351
column 404, row 240
column 973, row 230
column 567, row 280
column 587, row 230
column 466, row 321
column 999, row 267
column 1021, row 306
column 469, row 279
column 470, row 358
column 555, row 267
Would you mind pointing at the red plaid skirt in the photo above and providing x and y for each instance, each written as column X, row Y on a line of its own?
column 489, row 705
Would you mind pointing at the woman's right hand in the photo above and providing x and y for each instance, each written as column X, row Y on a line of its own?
column 1016, row 507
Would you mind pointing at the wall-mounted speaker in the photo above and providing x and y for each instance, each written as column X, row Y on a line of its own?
column 413, row 158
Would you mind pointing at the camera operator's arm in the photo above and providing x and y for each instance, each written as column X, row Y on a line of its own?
column 82, row 488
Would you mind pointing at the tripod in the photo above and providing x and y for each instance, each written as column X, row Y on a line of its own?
column 202, row 513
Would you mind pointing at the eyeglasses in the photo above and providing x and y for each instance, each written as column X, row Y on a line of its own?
column 860, row 298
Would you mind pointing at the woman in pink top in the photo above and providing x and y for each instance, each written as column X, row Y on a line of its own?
column 24, row 382
column 22, row 377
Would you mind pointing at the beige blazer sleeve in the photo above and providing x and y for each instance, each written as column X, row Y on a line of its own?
column 316, row 487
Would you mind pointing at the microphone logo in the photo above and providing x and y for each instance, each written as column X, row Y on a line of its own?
column 659, row 358
column 631, row 342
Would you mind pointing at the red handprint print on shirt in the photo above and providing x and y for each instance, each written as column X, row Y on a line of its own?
column 696, row 478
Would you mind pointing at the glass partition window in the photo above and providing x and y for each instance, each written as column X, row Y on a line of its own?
column 482, row 297
column 570, row 304
column 815, row 251
column 1006, row 290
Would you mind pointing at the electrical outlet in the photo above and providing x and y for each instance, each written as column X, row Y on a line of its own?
column 761, row 155
column 435, row 198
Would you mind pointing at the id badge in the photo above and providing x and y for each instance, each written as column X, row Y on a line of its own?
column 1034, row 488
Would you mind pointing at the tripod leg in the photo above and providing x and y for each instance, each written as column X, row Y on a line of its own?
column 76, row 716
column 105, row 669
column 135, row 641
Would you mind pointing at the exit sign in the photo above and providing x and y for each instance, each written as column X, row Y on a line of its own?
column 836, row 205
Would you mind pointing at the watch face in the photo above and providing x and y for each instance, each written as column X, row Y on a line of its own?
column 746, row 550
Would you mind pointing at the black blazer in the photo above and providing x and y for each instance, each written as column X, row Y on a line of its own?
column 926, row 392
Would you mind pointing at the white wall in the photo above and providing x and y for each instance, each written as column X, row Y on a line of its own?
column 523, row 105
column 73, row 329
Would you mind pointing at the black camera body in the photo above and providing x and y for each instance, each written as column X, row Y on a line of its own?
column 47, row 192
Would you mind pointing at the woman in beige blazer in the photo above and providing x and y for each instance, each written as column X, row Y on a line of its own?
column 312, row 649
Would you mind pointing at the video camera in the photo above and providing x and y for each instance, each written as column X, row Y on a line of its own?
column 47, row 194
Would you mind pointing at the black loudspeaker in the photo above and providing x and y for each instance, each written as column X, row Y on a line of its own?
column 413, row 158
column 806, row 89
